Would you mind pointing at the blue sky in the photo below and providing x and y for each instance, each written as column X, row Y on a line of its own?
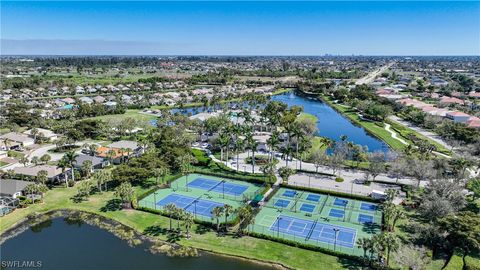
column 241, row 28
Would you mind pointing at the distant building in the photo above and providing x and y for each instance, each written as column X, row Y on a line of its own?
column 12, row 188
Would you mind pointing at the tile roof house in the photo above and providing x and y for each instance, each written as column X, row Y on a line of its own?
column 473, row 122
column 44, row 132
column 459, row 117
column 446, row 101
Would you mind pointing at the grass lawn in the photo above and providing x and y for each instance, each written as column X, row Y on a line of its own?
column 135, row 114
column 3, row 163
column 307, row 116
column 60, row 198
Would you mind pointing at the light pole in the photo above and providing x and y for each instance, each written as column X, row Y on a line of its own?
column 278, row 226
column 335, row 240
column 344, row 210
column 309, row 176
column 223, row 188
column 195, row 209
column 155, row 200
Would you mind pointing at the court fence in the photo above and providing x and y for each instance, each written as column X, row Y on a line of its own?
column 301, row 240
column 204, row 219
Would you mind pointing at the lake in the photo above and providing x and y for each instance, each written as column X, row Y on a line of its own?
column 59, row 245
column 331, row 123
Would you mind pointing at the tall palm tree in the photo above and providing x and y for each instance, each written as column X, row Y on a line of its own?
column 185, row 163
column 170, row 209
column 391, row 242
column 246, row 217
column 365, row 244
column 273, row 143
column 63, row 164
column 188, row 222
column 227, row 210
column 70, row 158
column 217, row 212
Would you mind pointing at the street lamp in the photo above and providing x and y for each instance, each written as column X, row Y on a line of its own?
column 344, row 210
column 195, row 209
column 335, row 240
column 309, row 176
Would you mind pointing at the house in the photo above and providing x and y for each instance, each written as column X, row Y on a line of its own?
column 130, row 145
column 114, row 155
column 97, row 162
column 54, row 173
column 458, row 117
column 69, row 100
column 86, row 100
column 447, row 101
column 474, row 94
column 99, row 99
column 12, row 188
column 473, row 122
column 44, row 133
column 14, row 140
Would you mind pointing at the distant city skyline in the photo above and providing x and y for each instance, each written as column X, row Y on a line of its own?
column 240, row 28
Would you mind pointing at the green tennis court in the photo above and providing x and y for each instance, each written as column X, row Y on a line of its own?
column 319, row 219
column 199, row 194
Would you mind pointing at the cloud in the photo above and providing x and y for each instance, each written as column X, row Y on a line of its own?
column 90, row 47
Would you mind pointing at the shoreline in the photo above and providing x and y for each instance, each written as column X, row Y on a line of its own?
column 105, row 223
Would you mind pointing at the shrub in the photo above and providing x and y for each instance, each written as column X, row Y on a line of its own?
column 455, row 262
column 339, row 179
column 71, row 183
column 472, row 263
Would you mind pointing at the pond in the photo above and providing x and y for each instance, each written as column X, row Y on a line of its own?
column 331, row 123
column 55, row 244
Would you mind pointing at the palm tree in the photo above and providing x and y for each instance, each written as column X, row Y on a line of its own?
column 7, row 143
column 70, row 158
column 170, row 209
column 179, row 214
column 285, row 173
column 224, row 141
column 217, row 212
column 93, row 149
column 87, row 168
column 161, row 172
column 227, row 210
column 246, row 217
column 24, row 161
column 188, row 222
column 63, row 164
column 391, row 243
column 365, row 244
column 273, row 143
column 185, row 162
column 42, row 176
column 125, row 192
column 238, row 147
column 32, row 190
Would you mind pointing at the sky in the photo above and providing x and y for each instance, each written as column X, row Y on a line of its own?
column 239, row 28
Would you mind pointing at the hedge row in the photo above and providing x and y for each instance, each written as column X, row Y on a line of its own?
column 472, row 263
column 334, row 193
column 455, row 262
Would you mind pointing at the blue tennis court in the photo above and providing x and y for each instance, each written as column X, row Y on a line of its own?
column 313, row 197
column 289, row 193
column 190, row 204
column 362, row 218
column 337, row 213
column 313, row 230
column 340, row 202
column 368, row 207
column 218, row 186
column 282, row 203
column 307, row 207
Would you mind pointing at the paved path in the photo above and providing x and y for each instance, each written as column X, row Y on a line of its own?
column 394, row 134
column 432, row 136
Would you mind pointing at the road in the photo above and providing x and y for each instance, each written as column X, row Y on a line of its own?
column 370, row 77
